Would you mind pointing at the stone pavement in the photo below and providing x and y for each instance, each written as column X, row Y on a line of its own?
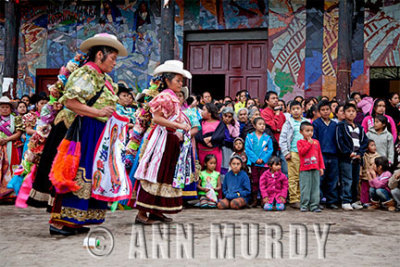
column 355, row 238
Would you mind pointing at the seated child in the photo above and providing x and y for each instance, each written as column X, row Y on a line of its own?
column 209, row 181
column 274, row 186
column 236, row 186
column 379, row 191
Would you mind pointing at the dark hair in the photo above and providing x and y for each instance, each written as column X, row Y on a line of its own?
column 392, row 94
column 382, row 162
column 373, row 113
column 241, row 91
column 274, row 160
column 213, row 110
column 27, row 97
column 310, row 111
column 283, row 101
column 370, row 141
column 206, row 92
column 21, row 102
column 302, row 98
column 382, row 119
column 106, row 50
column 268, row 95
column 295, row 103
column 236, row 157
column 308, row 100
column 324, row 97
column 164, row 77
column 354, row 94
column 305, row 124
column 190, row 100
column 26, row 106
column 41, row 96
column 208, row 158
column 348, row 106
column 323, row 103
column 333, row 101
column 122, row 89
column 258, row 119
column 337, row 108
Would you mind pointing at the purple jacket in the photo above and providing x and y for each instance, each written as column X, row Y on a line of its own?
column 381, row 181
column 274, row 186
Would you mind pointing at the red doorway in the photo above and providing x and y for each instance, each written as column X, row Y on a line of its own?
column 45, row 78
column 241, row 63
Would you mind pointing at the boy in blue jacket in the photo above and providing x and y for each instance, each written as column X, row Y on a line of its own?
column 258, row 148
column 352, row 144
column 325, row 133
column 236, row 186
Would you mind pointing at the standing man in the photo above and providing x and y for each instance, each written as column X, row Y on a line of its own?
column 273, row 116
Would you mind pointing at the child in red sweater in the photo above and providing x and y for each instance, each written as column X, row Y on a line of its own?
column 311, row 168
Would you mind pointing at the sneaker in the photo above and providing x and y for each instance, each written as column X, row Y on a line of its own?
column 356, row 206
column 316, row 210
column 347, row 206
column 321, row 207
column 303, row 209
column 295, row 205
column 280, row 207
column 268, row 207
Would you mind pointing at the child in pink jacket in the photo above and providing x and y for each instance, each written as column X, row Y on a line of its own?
column 379, row 191
column 274, row 186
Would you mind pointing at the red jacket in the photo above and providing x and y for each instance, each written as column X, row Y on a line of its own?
column 276, row 122
column 310, row 155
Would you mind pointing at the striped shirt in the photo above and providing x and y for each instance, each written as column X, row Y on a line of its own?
column 355, row 136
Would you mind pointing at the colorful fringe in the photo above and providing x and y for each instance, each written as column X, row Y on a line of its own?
column 65, row 167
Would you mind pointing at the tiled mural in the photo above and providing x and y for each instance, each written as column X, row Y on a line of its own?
column 297, row 65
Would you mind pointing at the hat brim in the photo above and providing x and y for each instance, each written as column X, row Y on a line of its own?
column 167, row 68
column 185, row 92
column 106, row 41
column 12, row 104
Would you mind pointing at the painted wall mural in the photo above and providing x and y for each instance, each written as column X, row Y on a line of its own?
column 51, row 35
column 302, row 38
column 330, row 46
column 286, row 43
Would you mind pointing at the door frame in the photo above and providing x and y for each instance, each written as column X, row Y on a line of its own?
column 222, row 36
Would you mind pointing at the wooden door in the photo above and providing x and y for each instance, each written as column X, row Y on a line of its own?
column 45, row 78
column 243, row 63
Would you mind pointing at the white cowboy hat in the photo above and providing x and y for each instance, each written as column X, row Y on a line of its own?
column 106, row 40
column 174, row 66
column 6, row 100
column 185, row 92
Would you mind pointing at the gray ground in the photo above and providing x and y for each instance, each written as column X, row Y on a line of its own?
column 358, row 238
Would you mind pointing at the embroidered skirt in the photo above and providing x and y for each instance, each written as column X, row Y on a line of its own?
column 76, row 209
column 6, row 172
column 161, row 196
column 42, row 194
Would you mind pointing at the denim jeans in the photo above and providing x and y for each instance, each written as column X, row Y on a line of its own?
column 349, row 174
column 284, row 166
column 380, row 194
column 396, row 196
column 329, row 181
